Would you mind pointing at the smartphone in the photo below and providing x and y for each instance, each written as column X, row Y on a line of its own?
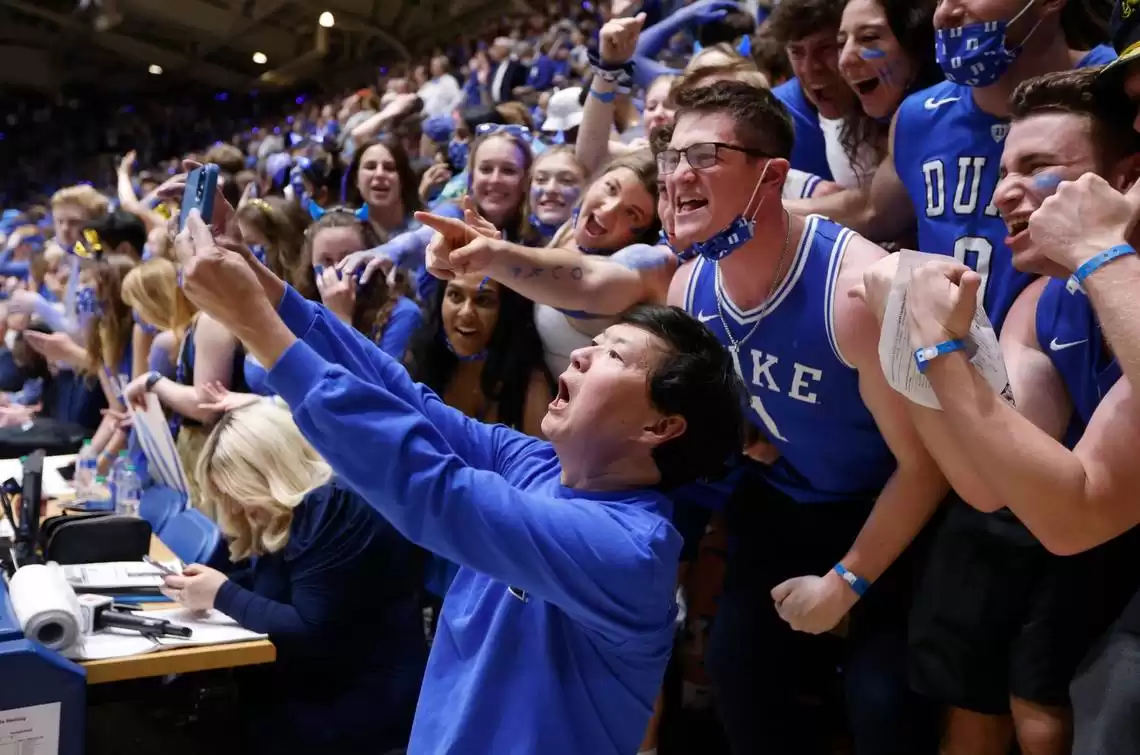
column 199, row 194
column 166, row 570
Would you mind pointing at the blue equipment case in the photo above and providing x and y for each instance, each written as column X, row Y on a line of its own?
column 30, row 674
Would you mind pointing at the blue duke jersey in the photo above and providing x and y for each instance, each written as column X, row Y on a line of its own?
column 804, row 397
column 947, row 153
column 1068, row 332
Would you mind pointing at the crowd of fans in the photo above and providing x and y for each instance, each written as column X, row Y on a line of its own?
column 505, row 234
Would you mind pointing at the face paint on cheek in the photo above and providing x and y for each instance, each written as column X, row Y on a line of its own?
column 870, row 53
column 1045, row 184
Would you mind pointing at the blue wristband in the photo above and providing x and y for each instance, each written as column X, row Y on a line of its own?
column 1092, row 265
column 854, row 581
column 606, row 97
column 927, row 354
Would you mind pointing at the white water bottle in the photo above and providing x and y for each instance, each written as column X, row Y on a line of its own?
column 85, row 465
column 128, row 491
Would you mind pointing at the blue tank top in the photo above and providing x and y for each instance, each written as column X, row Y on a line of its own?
column 803, row 395
column 1068, row 332
column 809, row 151
column 947, row 153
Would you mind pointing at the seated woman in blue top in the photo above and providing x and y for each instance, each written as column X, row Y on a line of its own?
column 329, row 581
column 205, row 354
column 557, row 630
column 106, row 324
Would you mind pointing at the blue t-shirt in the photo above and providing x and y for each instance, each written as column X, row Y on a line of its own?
column 556, row 632
column 809, row 153
column 947, row 154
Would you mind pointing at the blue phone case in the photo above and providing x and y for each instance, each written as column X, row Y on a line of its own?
column 199, row 194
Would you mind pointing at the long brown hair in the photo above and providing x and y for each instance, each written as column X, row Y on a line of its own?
column 283, row 224
column 376, row 300
column 409, row 184
column 108, row 336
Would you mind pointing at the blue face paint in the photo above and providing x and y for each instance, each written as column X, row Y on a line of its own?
column 870, row 53
column 258, row 251
column 641, row 257
column 1046, row 184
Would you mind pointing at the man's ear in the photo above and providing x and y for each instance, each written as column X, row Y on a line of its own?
column 664, row 429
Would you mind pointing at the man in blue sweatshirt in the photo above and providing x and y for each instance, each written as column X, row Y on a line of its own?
column 557, row 630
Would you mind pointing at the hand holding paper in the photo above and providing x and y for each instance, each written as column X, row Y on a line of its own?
column 935, row 309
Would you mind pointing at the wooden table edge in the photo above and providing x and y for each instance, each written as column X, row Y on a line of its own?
column 183, row 660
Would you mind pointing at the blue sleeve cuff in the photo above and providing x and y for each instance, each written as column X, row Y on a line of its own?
column 297, row 312
column 231, row 599
column 296, row 373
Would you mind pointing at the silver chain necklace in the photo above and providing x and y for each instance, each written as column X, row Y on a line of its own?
column 735, row 347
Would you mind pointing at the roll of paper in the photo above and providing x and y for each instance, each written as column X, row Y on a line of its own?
column 45, row 606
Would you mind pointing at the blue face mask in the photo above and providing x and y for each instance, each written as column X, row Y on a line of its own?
column 457, row 153
column 87, row 304
column 975, row 55
column 738, row 233
column 146, row 326
column 258, row 251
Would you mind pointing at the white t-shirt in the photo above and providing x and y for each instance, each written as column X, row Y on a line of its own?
column 441, row 96
column 841, row 168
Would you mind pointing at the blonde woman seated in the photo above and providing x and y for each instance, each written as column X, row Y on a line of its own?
column 329, row 581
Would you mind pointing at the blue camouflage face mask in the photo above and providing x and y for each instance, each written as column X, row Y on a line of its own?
column 457, row 153
column 87, row 304
column 976, row 55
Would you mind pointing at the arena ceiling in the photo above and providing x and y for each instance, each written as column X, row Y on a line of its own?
column 51, row 44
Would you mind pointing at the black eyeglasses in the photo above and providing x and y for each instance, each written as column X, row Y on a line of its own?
column 701, row 155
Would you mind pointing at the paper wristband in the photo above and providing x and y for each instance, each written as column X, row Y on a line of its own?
column 857, row 583
column 1092, row 265
column 927, row 354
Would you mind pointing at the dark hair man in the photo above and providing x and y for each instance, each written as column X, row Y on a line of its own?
column 566, row 594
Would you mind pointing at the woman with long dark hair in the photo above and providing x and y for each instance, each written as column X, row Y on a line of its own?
column 383, row 185
column 886, row 53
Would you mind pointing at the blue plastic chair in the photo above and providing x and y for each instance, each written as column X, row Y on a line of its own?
column 192, row 536
column 159, row 504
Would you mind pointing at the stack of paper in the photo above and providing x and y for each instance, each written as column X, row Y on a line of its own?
column 210, row 628
column 116, row 575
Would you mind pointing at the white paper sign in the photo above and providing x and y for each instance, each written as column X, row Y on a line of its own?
column 896, row 354
column 154, row 436
column 30, row 731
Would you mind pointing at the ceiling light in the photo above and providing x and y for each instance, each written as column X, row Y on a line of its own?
column 260, row 59
column 326, row 20
column 155, row 69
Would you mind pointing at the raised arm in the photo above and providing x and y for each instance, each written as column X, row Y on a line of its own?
column 477, row 518
column 1037, row 388
column 562, row 278
column 617, row 44
column 1070, row 500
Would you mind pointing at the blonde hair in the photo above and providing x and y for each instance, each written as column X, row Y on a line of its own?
column 151, row 290
column 93, row 203
column 256, row 458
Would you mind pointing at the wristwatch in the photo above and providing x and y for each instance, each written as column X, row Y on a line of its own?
column 153, row 378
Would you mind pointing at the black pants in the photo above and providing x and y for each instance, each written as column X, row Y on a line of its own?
column 1106, row 691
column 770, row 680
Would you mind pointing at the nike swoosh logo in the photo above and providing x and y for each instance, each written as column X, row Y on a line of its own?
column 1055, row 346
column 933, row 104
column 702, row 317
